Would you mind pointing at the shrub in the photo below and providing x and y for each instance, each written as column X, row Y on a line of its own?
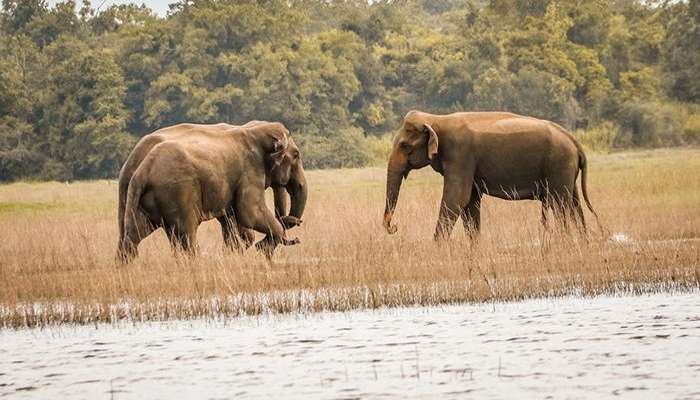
column 600, row 138
column 56, row 171
column 348, row 149
column 379, row 148
column 653, row 123
column 691, row 129
column 19, row 163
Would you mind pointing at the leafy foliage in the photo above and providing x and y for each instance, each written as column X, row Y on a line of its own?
column 79, row 86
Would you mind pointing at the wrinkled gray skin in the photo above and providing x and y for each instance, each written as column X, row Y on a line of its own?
column 236, row 236
column 233, row 165
column 500, row 154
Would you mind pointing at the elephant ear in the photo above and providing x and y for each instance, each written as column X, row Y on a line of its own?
column 281, row 142
column 432, row 141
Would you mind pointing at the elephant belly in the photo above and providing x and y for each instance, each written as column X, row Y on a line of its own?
column 217, row 197
column 525, row 188
column 512, row 173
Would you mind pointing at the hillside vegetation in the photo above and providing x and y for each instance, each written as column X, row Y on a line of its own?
column 78, row 87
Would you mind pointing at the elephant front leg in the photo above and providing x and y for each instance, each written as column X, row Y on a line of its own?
column 263, row 220
column 456, row 194
column 236, row 237
column 471, row 216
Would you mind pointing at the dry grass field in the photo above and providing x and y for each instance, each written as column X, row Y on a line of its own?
column 58, row 242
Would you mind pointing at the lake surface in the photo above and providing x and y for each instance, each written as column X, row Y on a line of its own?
column 631, row 346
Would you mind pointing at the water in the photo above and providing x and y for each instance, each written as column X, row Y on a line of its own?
column 637, row 347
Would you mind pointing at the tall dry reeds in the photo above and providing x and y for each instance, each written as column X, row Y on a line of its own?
column 58, row 242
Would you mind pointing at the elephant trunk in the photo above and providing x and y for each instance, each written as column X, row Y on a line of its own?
column 393, row 186
column 298, row 192
column 281, row 203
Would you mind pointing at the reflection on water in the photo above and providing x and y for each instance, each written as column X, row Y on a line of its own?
column 573, row 348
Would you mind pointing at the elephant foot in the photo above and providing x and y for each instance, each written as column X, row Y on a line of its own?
column 290, row 242
column 267, row 246
column 289, row 221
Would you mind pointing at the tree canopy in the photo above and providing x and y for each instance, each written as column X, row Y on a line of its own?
column 78, row 87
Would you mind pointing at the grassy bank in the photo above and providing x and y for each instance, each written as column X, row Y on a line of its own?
column 58, row 241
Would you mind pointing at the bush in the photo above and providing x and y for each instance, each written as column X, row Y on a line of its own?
column 348, row 149
column 55, row 171
column 19, row 163
column 380, row 148
column 691, row 129
column 654, row 124
column 601, row 138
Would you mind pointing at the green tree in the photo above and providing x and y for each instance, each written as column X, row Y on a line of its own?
column 84, row 117
column 21, row 81
column 682, row 52
column 78, row 86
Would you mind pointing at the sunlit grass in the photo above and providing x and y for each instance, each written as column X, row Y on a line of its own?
column 58, row 242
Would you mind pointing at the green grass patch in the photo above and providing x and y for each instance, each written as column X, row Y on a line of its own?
column 17, row 207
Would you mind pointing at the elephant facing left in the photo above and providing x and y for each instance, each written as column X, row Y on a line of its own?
column 180, row 176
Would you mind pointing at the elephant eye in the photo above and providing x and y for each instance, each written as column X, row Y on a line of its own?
column 404, row 145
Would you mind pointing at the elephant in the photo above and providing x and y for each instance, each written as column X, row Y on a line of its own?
column 191, row 173
column 501, row 154
column 236, row 237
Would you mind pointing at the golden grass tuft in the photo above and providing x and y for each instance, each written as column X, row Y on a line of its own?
column 58, row 242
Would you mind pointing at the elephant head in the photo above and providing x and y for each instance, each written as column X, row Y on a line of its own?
column 415, row 146
column 288, row 176
column 285, row 172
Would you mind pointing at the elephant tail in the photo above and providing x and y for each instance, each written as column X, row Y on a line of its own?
column 583, row 166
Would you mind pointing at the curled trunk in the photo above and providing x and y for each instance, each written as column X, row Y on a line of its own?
column 281, row 203
column 298, row 192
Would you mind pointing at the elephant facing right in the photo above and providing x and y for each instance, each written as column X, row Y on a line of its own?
column 176, row 180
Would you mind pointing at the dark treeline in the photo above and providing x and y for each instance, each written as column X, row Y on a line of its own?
column 78, row 87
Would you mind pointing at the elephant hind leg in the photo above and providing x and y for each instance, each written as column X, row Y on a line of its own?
column 566, row 207
column 181, row 229
column 577, row 211
column 556, row 202
column 182, row 214
column 182, row 238
column 138, row 228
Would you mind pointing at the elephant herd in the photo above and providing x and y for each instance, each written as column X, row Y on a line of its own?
column 180, row 176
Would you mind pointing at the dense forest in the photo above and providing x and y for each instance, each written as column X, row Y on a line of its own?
column 79, row 86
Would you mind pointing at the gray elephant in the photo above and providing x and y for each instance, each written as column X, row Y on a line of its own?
column 179, row 176
column 236, row 236
column 496, row 153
